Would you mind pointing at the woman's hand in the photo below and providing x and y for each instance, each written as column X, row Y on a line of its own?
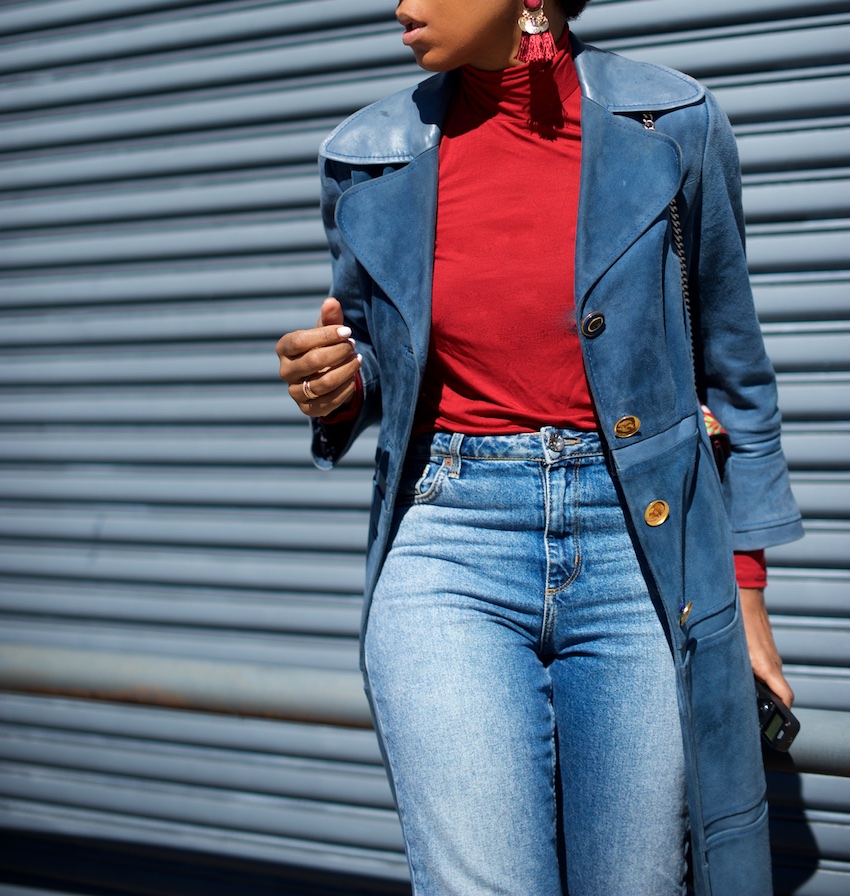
column 764, row 657
column 320, row 365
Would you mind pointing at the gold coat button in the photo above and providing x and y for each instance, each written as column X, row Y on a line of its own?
column 686, row 611
column 626, row 426
column 656, row 513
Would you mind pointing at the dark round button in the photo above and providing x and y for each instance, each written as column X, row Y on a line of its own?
column 593, row 324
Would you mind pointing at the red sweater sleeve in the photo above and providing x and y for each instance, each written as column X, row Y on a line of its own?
column 750, row 569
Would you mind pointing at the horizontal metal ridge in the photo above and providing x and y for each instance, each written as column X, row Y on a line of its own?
column 824, row 547
column 809, row 592
column 272, row 612
column 113, row 32
column 244, row 771
column 160, row 725
column 231, row 444
column 236, row 487
column 306, row 694
column 299, row 571
column 261, row 233
column 307, row 820
column 802, row 297
column 780, row 146
column 762, row 46
column 213, row 150
column 614, row 19
column 255, row 190
column 285, row 528
column 172, row 115
column 134, row 829
column 246, row 277
column 289, row 56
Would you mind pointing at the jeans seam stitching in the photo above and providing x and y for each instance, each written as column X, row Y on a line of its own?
column 547, row 622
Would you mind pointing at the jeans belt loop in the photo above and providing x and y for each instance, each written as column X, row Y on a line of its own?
column 454, row 454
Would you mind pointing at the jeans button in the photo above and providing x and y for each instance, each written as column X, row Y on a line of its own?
column 556, row 442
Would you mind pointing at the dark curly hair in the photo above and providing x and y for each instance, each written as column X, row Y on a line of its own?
column 572, row 8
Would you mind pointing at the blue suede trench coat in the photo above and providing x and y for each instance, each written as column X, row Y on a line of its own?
column 379, row 192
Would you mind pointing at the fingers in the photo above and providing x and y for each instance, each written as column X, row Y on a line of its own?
column 320, row 364
column 325, row 405
column 316, row 363
column 331, row 313
column 327, row 390
column 304, row 352
column 777, row 683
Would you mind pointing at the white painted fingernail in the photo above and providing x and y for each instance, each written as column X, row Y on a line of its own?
column 360, row 358
column 343, row 332
column 353, row 343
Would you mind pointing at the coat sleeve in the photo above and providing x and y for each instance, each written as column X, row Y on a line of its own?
column 352, row 287
column 737, row 377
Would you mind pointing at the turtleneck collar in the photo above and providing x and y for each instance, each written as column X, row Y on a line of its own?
column 532, row 93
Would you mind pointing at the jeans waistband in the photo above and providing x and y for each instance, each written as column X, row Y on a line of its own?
column 548, row 445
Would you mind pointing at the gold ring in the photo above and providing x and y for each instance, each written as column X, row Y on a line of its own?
column 309, row 394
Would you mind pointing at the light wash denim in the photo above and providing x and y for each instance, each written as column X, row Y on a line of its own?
column 522, row 683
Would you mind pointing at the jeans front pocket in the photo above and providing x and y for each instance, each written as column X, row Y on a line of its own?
column 422, row 479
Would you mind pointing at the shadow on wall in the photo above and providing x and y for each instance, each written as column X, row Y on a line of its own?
column 793, row 845
column 92, row 868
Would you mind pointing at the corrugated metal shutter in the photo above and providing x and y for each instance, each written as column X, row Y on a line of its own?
column 164, row 539
column 172, row 569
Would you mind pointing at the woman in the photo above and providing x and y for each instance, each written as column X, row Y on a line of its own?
column 553, row 642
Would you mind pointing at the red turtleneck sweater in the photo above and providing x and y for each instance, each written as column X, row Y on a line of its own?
column 504, row 354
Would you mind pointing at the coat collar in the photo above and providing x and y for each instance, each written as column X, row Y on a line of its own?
column 615, row 83
column 629, row 175
column 619, row 84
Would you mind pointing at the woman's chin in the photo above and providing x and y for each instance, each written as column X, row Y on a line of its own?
column 430, row 63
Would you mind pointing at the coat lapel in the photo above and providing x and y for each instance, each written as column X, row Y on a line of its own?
column 390, row 224
column 629, row 174
column 628, row 177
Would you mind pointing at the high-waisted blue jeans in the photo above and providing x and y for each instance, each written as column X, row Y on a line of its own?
column 521, row 681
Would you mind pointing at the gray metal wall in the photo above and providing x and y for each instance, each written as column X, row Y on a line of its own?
column 178, row 587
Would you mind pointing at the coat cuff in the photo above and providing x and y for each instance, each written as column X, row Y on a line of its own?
column 762, row 511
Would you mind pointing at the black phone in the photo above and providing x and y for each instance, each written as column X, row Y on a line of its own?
column 779, row 726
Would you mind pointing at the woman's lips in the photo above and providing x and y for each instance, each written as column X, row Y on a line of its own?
column 412, row 32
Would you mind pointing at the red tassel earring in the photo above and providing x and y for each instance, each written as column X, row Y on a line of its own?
column 536, row 43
